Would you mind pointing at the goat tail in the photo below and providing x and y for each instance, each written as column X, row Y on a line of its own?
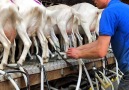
column 36, row 16
column 36, row 12
column 77, row 15
column 74, row 12
column 15, row 15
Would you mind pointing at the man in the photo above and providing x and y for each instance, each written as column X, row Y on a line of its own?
column 114, row 28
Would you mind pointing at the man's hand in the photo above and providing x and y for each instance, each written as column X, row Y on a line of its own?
column 73, row 53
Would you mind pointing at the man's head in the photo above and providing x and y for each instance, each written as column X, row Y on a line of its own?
column 101, row 3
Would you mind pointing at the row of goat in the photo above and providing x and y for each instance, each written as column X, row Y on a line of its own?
column 29, row 18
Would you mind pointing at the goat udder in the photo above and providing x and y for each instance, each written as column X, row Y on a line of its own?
column 10, row 34
column 69, row 31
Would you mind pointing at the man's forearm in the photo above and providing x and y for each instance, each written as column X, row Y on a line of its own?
column 91, row 53
column 87, row 46
column 93, row 50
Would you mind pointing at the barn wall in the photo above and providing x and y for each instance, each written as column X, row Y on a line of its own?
column 72, row 2
column 68, row 2
column 125, row 1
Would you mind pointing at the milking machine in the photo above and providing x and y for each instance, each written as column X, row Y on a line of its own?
column 116, row 72
column 97, row 78
column 20, row 69
column 43, row 73
column 71, row 66
column 81, row 63
column 88, row 76
column 8, row 76
column 107, row 80
column 79, row 76
column 42, row 68
column 104, row 80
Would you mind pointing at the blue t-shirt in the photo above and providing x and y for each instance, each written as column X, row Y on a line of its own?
column 114, row 22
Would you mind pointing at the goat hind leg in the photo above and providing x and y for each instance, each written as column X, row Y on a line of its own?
column 44, row 44
column 13, row 49
column 26, row 40
column 6, row 44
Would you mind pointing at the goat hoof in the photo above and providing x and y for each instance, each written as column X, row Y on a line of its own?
column 45, row 60
column 20, row 62
column 2, row 66
column 12, row 61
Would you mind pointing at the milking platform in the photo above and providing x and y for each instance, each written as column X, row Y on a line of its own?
column 56, row 69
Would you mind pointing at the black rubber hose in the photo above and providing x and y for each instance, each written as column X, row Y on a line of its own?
column 28, row 79
column 25, row 73
column 69, row 64
column 45, row 75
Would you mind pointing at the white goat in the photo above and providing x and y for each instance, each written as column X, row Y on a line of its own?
column 9, row 15
column 64, row 22
column 33, row 14
column 59, row 19
column 88, row 15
